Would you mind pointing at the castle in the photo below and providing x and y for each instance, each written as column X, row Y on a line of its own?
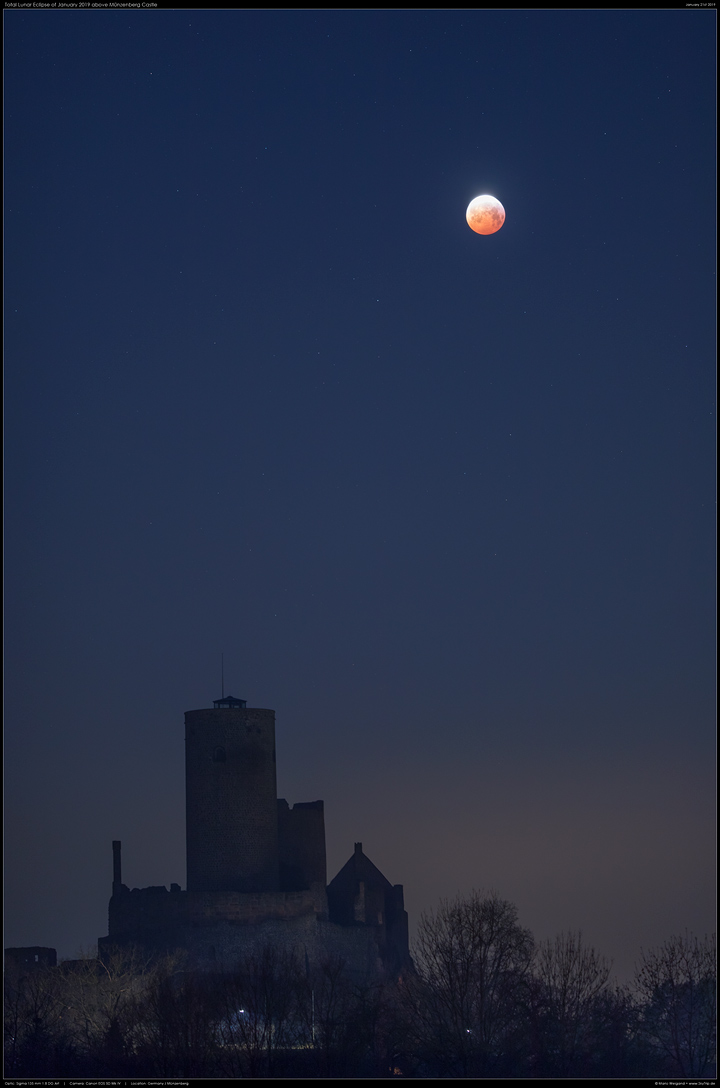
column 256, row 868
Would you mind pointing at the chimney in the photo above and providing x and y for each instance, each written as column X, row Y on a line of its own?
column 117, row 866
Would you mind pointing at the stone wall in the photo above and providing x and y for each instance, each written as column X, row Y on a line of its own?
column 301, row 844
column 22, row 961
column 154, row 914
column 231, row 800
column 311, row 940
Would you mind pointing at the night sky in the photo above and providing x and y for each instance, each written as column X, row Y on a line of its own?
column 445, row 502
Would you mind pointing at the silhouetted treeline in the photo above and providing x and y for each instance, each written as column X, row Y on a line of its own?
column 484, row 1000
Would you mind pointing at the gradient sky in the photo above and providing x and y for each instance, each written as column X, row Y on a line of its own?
column 445, row 502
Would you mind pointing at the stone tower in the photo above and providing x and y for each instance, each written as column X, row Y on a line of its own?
column 231, row 799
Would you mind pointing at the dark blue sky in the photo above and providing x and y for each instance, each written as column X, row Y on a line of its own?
column 446, row 502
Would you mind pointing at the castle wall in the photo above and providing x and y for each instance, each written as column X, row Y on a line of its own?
column 22, row 961
column 231, row 800
column 311, row 940
column 222, row 935
column 252, row 909
column 301, row 844
column 143, row 912
column 153, row 914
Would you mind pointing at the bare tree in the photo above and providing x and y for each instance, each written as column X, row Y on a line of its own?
column 567, row 1012
column 76, row 1018
column 99, row 996
column 177, row 1022
column 472, row 959
column 327, row 1009
column 344, row 1022
column 259, row 1013
column 36, row 1037
column 676, row 984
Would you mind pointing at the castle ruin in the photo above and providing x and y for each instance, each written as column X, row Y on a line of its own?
column 256, row 868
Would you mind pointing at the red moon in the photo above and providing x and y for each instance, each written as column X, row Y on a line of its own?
column 485, row 215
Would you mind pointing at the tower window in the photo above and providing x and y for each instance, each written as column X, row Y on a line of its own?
column 219, row 755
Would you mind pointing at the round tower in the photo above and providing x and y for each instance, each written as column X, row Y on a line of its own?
column 231, row 798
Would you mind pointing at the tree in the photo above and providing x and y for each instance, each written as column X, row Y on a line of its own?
column 473, row 961
column 177, row 1022
column 102, row 1005
column 258, row 1020
column 567, row 1011
column 36, row 1036
column 332, row 1017
column 347, row 1024
column 76, row 1018
column 676, row 984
